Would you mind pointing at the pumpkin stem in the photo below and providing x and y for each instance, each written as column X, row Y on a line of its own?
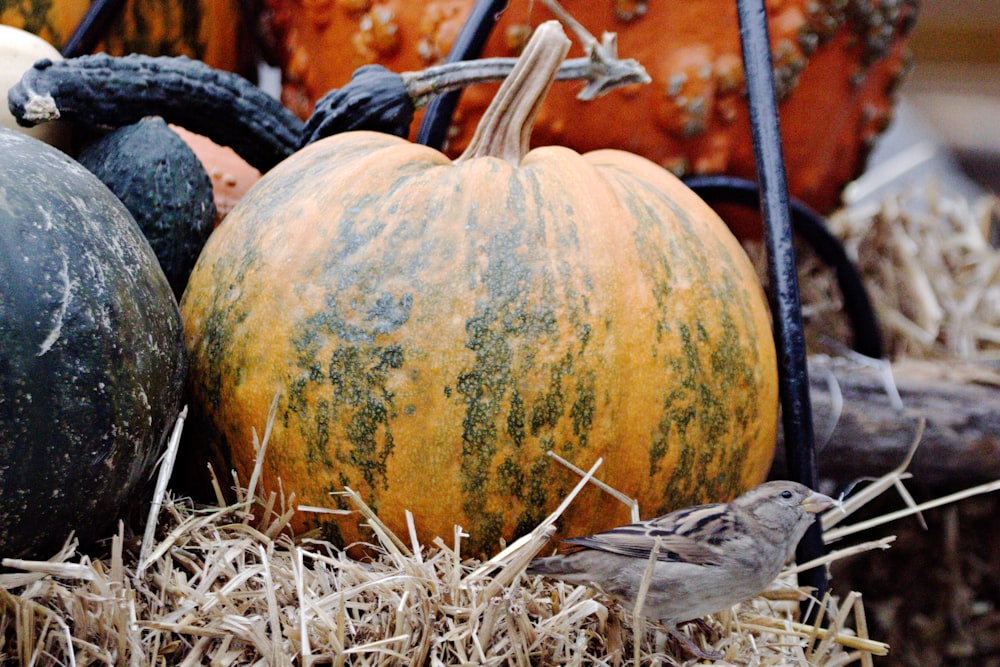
column 601, row 68
column 607, row 71
column 505, row 128
column 383, row 101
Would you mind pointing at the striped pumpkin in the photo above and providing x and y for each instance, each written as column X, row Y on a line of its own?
column 434, row 327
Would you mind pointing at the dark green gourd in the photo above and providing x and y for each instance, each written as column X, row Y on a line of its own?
column 92, row 359
column 164, row 185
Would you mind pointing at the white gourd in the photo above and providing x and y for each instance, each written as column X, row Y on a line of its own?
column 19, row 50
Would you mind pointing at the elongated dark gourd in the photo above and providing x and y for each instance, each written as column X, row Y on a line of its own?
column 163, row 185
column 109, row 91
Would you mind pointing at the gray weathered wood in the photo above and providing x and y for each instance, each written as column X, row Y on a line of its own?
column 960, row 401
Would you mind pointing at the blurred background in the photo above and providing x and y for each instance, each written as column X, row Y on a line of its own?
column 934, row 596
column 950, row 102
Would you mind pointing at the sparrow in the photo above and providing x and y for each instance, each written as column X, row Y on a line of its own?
column 709, row 558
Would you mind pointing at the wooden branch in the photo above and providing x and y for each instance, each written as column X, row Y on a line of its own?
column 960, row 400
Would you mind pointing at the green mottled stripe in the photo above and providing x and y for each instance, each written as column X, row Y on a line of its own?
column 529, row 308
column 703, row 409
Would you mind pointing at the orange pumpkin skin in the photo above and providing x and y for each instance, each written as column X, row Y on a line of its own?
column 231, row 175
column 217, row 32
column 837, row 67
column 433, row 328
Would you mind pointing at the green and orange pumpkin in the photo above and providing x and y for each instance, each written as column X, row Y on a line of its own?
column 433, row 327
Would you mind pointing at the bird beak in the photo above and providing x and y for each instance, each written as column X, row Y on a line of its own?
column 817, row 502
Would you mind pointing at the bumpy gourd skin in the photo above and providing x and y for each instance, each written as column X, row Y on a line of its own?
column 92, row 360
column 165, row 187
column 102, row 90
column 846, row 57
column 375, row 100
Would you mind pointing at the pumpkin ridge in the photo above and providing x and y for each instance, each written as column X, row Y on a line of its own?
column 511, row 286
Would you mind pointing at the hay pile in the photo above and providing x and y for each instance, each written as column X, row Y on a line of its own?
column 223, row 591
column 930, row 258
column 930, row 262
column 228, row 585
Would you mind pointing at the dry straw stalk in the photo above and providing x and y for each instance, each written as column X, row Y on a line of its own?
column 216, row 585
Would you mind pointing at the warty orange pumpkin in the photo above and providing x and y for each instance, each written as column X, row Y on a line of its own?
column 837, row 66
column 433, row 327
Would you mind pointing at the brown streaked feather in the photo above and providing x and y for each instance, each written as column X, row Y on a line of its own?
column 680, row 533
column 673, row 548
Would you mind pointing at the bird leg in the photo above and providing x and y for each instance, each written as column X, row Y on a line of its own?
column 692, row 647
column 702, row 625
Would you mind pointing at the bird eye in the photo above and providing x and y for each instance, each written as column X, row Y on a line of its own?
column 786, row 494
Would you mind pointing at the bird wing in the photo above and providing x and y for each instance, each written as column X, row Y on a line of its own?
column 673, row 549
column 697, row 535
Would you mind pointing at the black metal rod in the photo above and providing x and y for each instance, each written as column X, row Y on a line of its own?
column 812, row 229
column 93, row 26
column 468, row 46
column 793, row 375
